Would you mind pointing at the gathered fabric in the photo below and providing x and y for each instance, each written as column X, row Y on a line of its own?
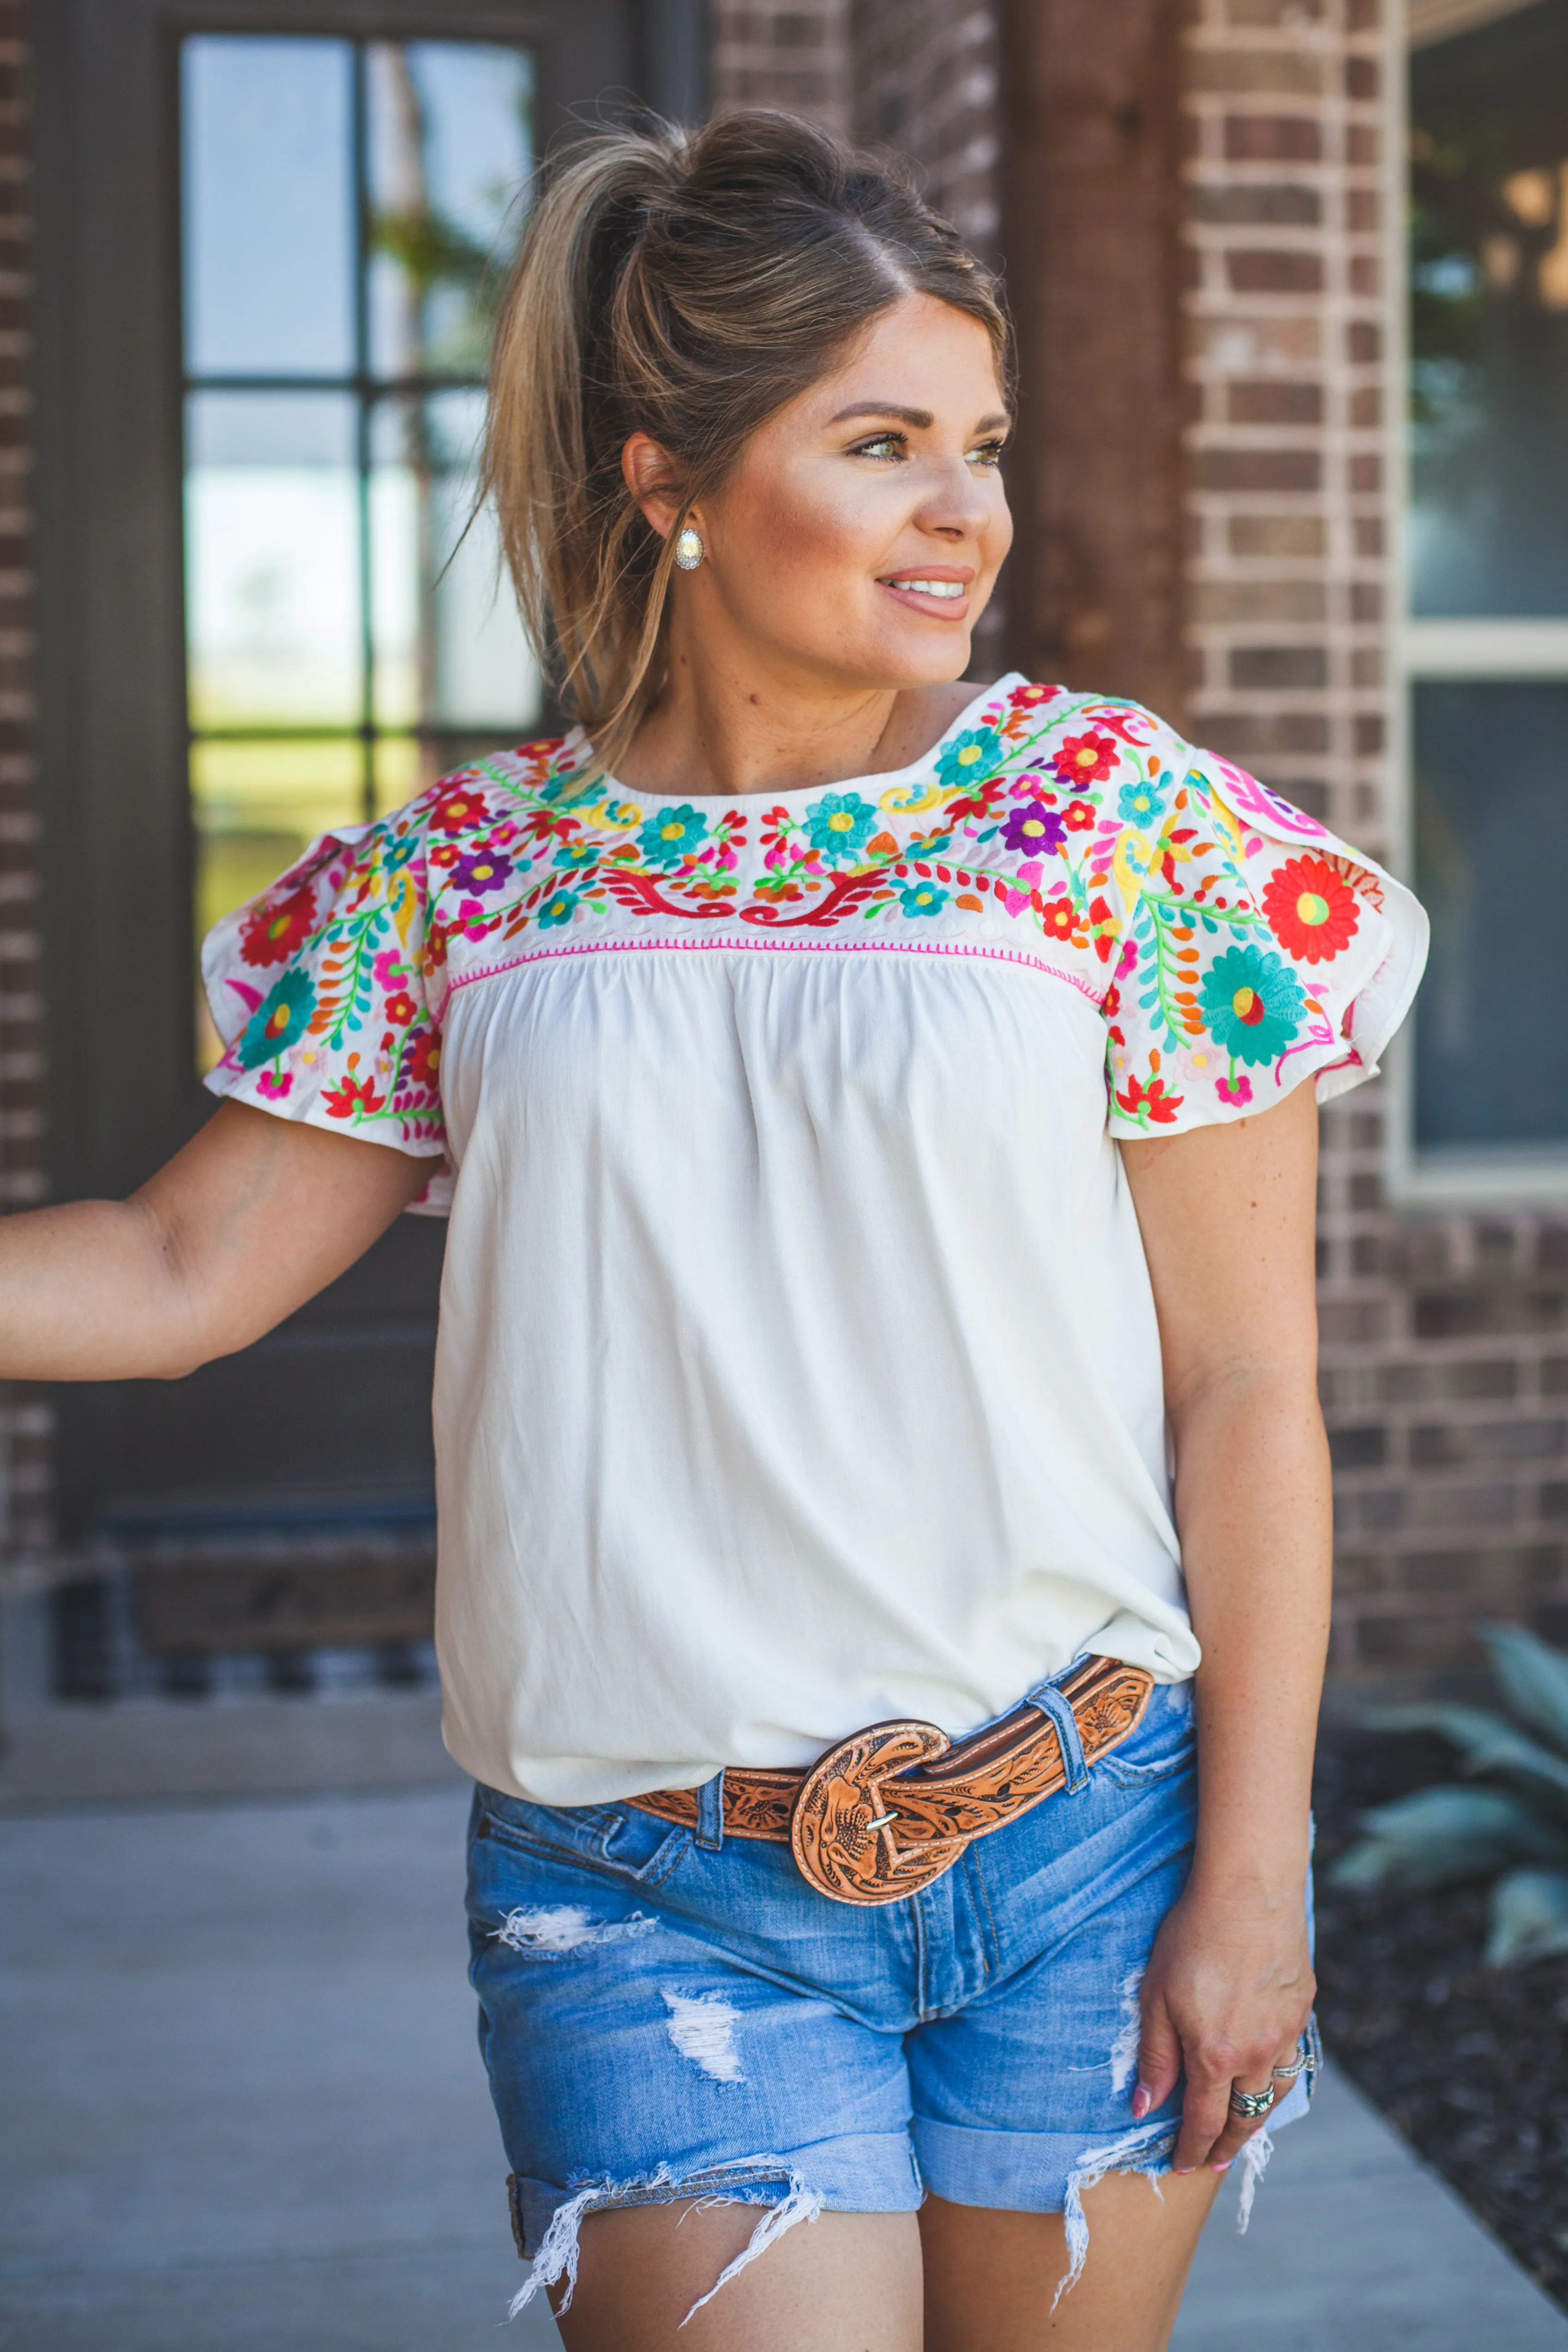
column 798, row 1363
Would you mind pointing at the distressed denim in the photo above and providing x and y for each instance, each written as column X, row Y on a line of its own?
column 662, row 2018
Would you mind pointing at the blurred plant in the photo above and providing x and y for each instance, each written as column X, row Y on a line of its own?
column 1515, row 1833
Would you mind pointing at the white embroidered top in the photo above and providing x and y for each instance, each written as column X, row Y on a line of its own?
column 798, row 1364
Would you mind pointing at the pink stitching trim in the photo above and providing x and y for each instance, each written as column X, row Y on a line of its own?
column 793, row 946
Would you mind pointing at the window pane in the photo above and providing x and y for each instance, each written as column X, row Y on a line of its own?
column 449, row 646
column 1491, row 843
column 1490, row 318
column 257, row 806
column 272, row 582
column 450, row 150
column 268, row 205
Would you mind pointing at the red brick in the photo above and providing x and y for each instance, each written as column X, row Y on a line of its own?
column 1272, row 139
column 1256, row 469
column 1269, row 401
column 1263, row 272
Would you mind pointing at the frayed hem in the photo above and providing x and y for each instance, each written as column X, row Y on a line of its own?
column 559, row 2247
column 1147, row 2149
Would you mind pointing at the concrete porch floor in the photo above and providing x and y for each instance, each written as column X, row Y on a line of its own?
column 244, row 2109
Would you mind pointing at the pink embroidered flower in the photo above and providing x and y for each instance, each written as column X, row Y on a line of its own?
column 273, row 1084
column 1234, row 1090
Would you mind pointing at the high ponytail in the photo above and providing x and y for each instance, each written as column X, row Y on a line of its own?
column 685, row 286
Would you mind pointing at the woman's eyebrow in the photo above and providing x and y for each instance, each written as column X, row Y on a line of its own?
column 919, row 419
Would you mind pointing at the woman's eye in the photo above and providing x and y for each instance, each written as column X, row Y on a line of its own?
column 987, row 453
column 886, row 447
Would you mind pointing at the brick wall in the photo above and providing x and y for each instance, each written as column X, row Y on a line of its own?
column 25, row 1423
column 1444, row 1343
column 795, row 57
column 1445, row 1340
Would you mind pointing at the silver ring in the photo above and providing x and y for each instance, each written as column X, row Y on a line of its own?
column 1298, row 2066
column 1250, row 2104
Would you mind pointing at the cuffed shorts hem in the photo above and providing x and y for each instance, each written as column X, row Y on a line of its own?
column 868, row 2172
column 1032, row 2172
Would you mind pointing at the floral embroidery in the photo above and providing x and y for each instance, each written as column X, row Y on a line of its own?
column 1311, row 910
column 1204, row 915
column 1251, row 1003
column 278, row 1020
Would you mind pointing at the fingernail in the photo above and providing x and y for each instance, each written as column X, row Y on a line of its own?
column 1221, row 2168
column 1142, row 2102
column 1185, row 2168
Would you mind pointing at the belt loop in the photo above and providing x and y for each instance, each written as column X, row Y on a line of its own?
column 1051, row 1702
column 710, row 1813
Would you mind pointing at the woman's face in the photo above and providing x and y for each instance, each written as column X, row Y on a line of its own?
column 859, row 538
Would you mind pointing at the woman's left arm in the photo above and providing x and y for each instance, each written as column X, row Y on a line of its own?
column 1228, row 1218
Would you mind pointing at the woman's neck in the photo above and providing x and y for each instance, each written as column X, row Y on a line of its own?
column 721, row 732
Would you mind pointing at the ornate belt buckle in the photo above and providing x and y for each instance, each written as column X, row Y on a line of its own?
column 841, row 1831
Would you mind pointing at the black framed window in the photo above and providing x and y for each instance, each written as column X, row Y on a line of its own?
column 348, row 209
column 1486, row 639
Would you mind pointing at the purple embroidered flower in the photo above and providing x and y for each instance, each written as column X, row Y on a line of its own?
column 1034, row 830
column 480, row 870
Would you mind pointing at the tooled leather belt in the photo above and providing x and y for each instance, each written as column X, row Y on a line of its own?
column 890, row 1809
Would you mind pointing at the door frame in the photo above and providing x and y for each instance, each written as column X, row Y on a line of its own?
column 116, row 855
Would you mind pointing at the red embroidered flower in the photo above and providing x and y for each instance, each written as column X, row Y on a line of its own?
column 423, row 1060
column 1028, row 698
column 1058, row 918
column 273, row 931
column 1078, row 816
column 457, row 810
column 1311, row 910
column 1150, row 1102
column 400, row 1008
column 1085, row 759
column 355, row 1099
column 1104, row 928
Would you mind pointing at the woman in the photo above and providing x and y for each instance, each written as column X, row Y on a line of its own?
column 884, row 1169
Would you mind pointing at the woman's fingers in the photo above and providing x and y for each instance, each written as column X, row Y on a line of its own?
column 1206, row 2110
column 1212, row 2133
column 1239, row 2129
column 1159, row 2060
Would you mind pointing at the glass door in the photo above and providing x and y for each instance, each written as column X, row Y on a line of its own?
column 275, row 237
column 349, row 212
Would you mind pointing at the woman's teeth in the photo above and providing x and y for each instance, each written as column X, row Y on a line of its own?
column 951, row 588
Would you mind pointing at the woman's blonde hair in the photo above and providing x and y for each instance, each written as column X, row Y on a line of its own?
column 686, row 286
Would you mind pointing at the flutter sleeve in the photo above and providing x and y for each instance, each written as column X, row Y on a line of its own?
column 326, row 990
column 1256, row 950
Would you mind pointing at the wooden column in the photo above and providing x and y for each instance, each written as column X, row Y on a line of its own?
column 1091, row 234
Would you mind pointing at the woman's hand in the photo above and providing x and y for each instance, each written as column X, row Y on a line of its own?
column 1226, row 1998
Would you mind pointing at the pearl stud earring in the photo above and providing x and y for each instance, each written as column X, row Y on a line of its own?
column 689, row 549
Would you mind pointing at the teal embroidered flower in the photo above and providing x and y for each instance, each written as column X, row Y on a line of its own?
column 573, row 853
column 280, row 1020
column 970, row 758
column 839, row 826
column 1252, row 1003
column 921, row 898
column 669, row 835
column 1139, row 802
column 558, row 908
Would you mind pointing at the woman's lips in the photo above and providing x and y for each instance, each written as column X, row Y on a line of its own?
column 934, row 594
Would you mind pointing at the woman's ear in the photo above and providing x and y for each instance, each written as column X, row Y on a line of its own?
column 651, row 477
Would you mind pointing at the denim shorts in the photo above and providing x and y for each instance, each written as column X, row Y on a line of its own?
column 663, row 2021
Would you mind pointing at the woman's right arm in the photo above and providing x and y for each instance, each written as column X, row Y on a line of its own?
column 255, row 1216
